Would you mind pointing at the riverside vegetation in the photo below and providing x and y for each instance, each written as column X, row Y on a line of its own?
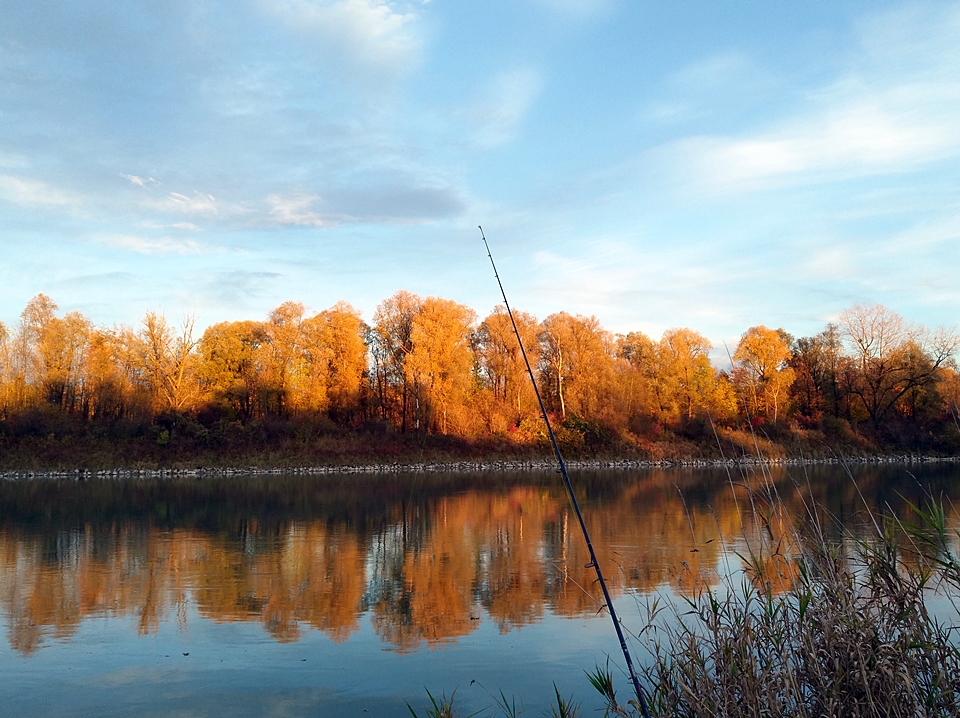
column 427, row 381
column 814, row 626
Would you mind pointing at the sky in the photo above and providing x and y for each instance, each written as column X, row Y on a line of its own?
column 702, row 164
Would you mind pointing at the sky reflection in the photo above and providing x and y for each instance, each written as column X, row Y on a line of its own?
column 294, row 587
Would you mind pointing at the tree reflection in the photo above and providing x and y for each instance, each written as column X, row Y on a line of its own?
column 429, row 562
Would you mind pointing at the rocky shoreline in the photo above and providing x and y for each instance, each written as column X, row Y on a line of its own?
column 453, row 467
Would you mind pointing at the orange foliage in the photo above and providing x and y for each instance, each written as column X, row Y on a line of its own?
column 425, row 365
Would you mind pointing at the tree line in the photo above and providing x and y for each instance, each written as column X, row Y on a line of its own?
column 431, row 366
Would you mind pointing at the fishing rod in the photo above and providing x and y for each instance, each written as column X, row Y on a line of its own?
column 594, row 564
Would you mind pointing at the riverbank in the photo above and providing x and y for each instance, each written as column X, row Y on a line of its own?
column 49, row 443
column 315, row 452
column 456, row 467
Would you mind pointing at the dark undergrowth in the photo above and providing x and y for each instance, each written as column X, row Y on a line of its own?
column 49, row 440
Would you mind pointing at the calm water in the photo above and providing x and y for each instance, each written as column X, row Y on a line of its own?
column 346, row 596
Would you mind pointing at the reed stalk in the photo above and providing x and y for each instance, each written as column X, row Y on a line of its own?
column 814, row 627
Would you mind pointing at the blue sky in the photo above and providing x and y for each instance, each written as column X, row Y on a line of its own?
column 702, row 164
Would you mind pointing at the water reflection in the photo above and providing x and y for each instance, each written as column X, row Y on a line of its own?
column 426, row 558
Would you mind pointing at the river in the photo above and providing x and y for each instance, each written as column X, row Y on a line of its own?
column 348, row 595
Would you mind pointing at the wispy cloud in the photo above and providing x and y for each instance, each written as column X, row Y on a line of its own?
column 12, row 160
column 612, row 277
column 236, row 288
column 880, row 116
column 299, row 210
column 862, row 135
column 935, row 239
column 139, row 181
column 721, row 68
column 728, row 81
column 507, row 98
column 152, row 245
column 833, row 261
column 197, row 204
column 365, row 35
column 32, row 193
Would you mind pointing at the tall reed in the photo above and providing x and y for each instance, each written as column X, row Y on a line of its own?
column 814, row 627
column 811, row 627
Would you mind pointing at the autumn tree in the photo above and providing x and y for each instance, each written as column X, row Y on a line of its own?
column 346, row 360
column 501, row 368
column 292, row 364
column 166, row 362
column 576, row 365
column 949, row 389
column 39, row 312
column 426, row 364
column 816, row 363
column 26, row 362
column 440, row 361
column 889, row 358
column 282, row 358
column 309, row 392
column 46, row 360
column 762, row 373
column 5, row 372
column 638, row 349
column 674, row 376
column 111, row 391
column 685, row 368
column 390, row 345
column 636, row 356
column 63, row 345
column 229, row 369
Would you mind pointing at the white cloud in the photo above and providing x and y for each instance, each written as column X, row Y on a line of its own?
column 152, row 245
column 663, row 111
column 139, row 181
column 614, row 276
column 710, row 87
column 12, row 160
column 297, row 210
column 877, row 118
column 508, row 97
column 30, row 192
column 366, row 34
column 721, row 68
column 836, row 261
column 204, row 204
column 930, row 237
column 861, row 136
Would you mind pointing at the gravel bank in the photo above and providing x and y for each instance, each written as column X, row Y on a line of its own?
column 453, row 466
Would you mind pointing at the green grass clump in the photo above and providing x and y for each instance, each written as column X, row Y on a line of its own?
column 441, row 707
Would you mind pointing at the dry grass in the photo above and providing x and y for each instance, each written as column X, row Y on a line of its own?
column 815, row 628
column 812, row 627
